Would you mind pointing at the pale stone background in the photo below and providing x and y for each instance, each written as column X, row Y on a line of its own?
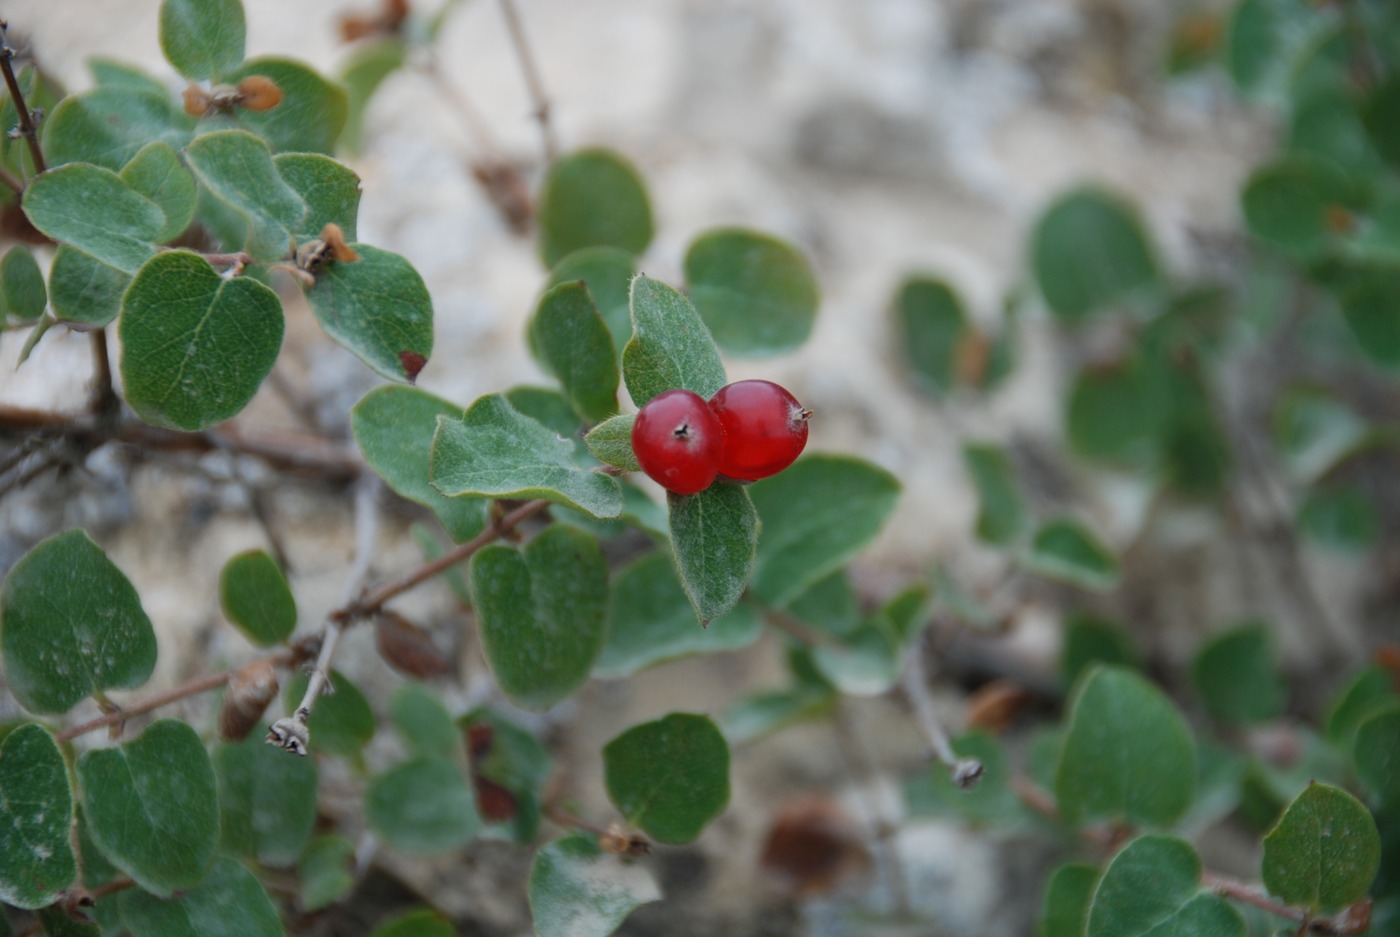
column 884, row 137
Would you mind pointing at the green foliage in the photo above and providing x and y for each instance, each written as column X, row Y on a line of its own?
column 1378, row 754
column 83, row 290
column 363, row 73
column 422, row 807
column 157, row 173
column 1067, row 895
column 22, row 292
column 326, row 871
column 1153, row 886
column 1340, row 518
column 109, row 125
column 756, row 293
column 312, row 113
column 71, row 624
column 930, row 326
column 416, row 924
column 1324, row 852
column 1089, row 640
column 236, row 168
column 670, row 345
column 1067, row 551
column 330, row 191
column 255, row 597
column 204, row 911
column 611, row 442
column 267, row 801
column 592, row 198
column 992, row 801
column 713, row 535
column 1369, row 692
column 36, row 809
column 1001, row 515
column 425, row 723
column 1089, row 252
column 869, row 661
column 514, row 761
column 93, row 210
column 608, row 273
column 202, row 38
column 1291, row 205
column 1237, row 678
column 571, row 341
column 577, row 890
column 342, row 722
column 670, row 777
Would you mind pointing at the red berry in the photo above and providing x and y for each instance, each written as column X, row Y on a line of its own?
column 764, row 429
column 677, row 441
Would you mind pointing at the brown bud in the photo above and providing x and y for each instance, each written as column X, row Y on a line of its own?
column 250, row 688
column 619, row 842
column 971, row 357
column 197, row 101
column 259, row 93
column 995, row 705
column 334, row 239
column 494, row 802
column 813, row 847
column 408, row 648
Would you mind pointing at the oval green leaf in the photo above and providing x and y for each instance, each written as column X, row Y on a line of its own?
column 1345, row 519
column 423, row 807
column 670, row 345
column 424, row 723
column 1088, row 252
column 330, row 190
column 363, row 72
column 71, row 624
column 342, row 721
column 267, row 801
column 152, row 806
column 1128, row 754
column 394, row 428
column 236, row 167
column 1067, row 551
column 202, row 38
column 498, row 452
column 592, row 198
column 93, row 210
column 1116, row 413
column 1324, row 851
column 230, row 902
column 1377, row 754
column 1289, row 204
column 423, row 923
column 108, row 126
column 571, row 341
column 930, row 325
column 756, row 293
column 312, row 113
column 22, row 285
column 326, row 871
column 578, row 890
column 1237, row 678
column 157, row 173
column 1370, row 303
column 195, row 346
column 1153, row 886
column 669, row 777
column 83, row 290
column 611, row 442
column 714, row 535
column 608, row 273
column 255, row 597
column 1065, row 910
column 36, row 810
column 541, row 611
column 1001, row 515
column 1090, row 640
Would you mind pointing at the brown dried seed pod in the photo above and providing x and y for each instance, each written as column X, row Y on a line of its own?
column 996, row 705
column 408, row 648
column 197, row 101
column 259, row 93
column 334, row 239
column 250, row 688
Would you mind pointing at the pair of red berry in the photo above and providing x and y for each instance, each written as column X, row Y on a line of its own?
column 748, row 430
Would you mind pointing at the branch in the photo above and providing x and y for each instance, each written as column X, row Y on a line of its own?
column 26, row 119
column 105, row 405
column 532, row 78
column 1346, row 923
column 966, row 772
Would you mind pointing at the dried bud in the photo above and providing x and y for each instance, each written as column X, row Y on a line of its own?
column 494, row 802
column 408, row 648
column 967, row 773
column 259, row 93
column 197, row 101
column 334, row 239
column 480, row 738
column 971, row 357
column 509, row 193
column 291, row 734
column 250, row 689
column 813, row 847
column 995, row 705
column 386, row 22
column 619, row 842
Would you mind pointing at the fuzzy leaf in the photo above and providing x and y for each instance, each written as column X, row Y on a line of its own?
column 379, row 309
column 756, row 293
column 1128, row 754
column 670, row 345
column 423, row 923
column 326, row 871
column 93, row 210
column 1237, row 678
column 1065, row 910
column 592, row 198
column 36, row 810
column 1324, row 851
column 255, row 597
column 330, row 190
column 570, row 340
column 108, row 126
column 611, row 442
column 1089, row 640
column 267, row 801
column 1089, row 251
column 22, row 285
column 1377, row 754
column 1067, row 551
column 1000, row 516
column 394, row 427
column 1289, row 204
column 230, row 902
column 71, row 624
column 930, row 327
column 1371, row 306
column 422, row 807
column 577, row 890
column 83, row 290
column 312, row 112
column 541, row 611
column 425, row 723
column 195, row 346
column 1153, row 886
column 714, row 535
column 157, row 173
column 669, row 777
column 237, row 168
column 202, row 38
column 608, row 273
column 152, row 806
column 498, row 452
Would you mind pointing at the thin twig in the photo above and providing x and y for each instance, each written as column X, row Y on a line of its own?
column 533, row 81
column 105, row 405
column 191, row 688
column 111, row 888
column 26, row 119
column 966, row 772
column 798, row 629
column 11, row 181
column 1350, row 921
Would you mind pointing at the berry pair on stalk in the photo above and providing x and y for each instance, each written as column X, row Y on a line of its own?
column 748, row 430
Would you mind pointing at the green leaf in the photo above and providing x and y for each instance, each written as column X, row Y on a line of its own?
column 394, row 427
column 541, row 611
column 611, row 442
column 870, row 661
column 669, row 777
column 592, row 198
column 830, row 605
column 1128, row 754
column 325, row 871
column 342, row 721
column 670, row 345
column 713, row 535
column 422, row 923
column 1378, row 118
column 496, row 451
column 1065, row 910
column 1237, row 678
column 22, row 285
column 71, row 625
column 108, row 126
column 57, row 922
column 230, row 902
column 1090, row 640
column 422, row 807
column 1153, row 886
column 255, row 597
column 1377, row 754
column 930, row 325
column 762, row 714
column 571, row 342
column 1324, row 852
column 425, row 723
column 362, row 75
column 1371, row 306
column 577, row 890
column 1116, row 413
column 36, row 809
column 1369, row 692
column 195, row 346
column 83, row 290
column 1343, row 519
column 93, row 210
column 1066, row 551
column 152, row 806
column 1313, row 431
column 933, row 793
column 1288, row 204
column 513, row 759
column 651, row 620
column 111, row 73
column 1089, row 252
column 267, row 801
column 237, row 168
column 1001, row 515
column 550, row 407
column 157, row 173
column 379, row 309
column 330, row 190
column 202, row 38
column 963, row 606
column 816, row 515
column 312, row 112
column 756, row 292
column 608, row 273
